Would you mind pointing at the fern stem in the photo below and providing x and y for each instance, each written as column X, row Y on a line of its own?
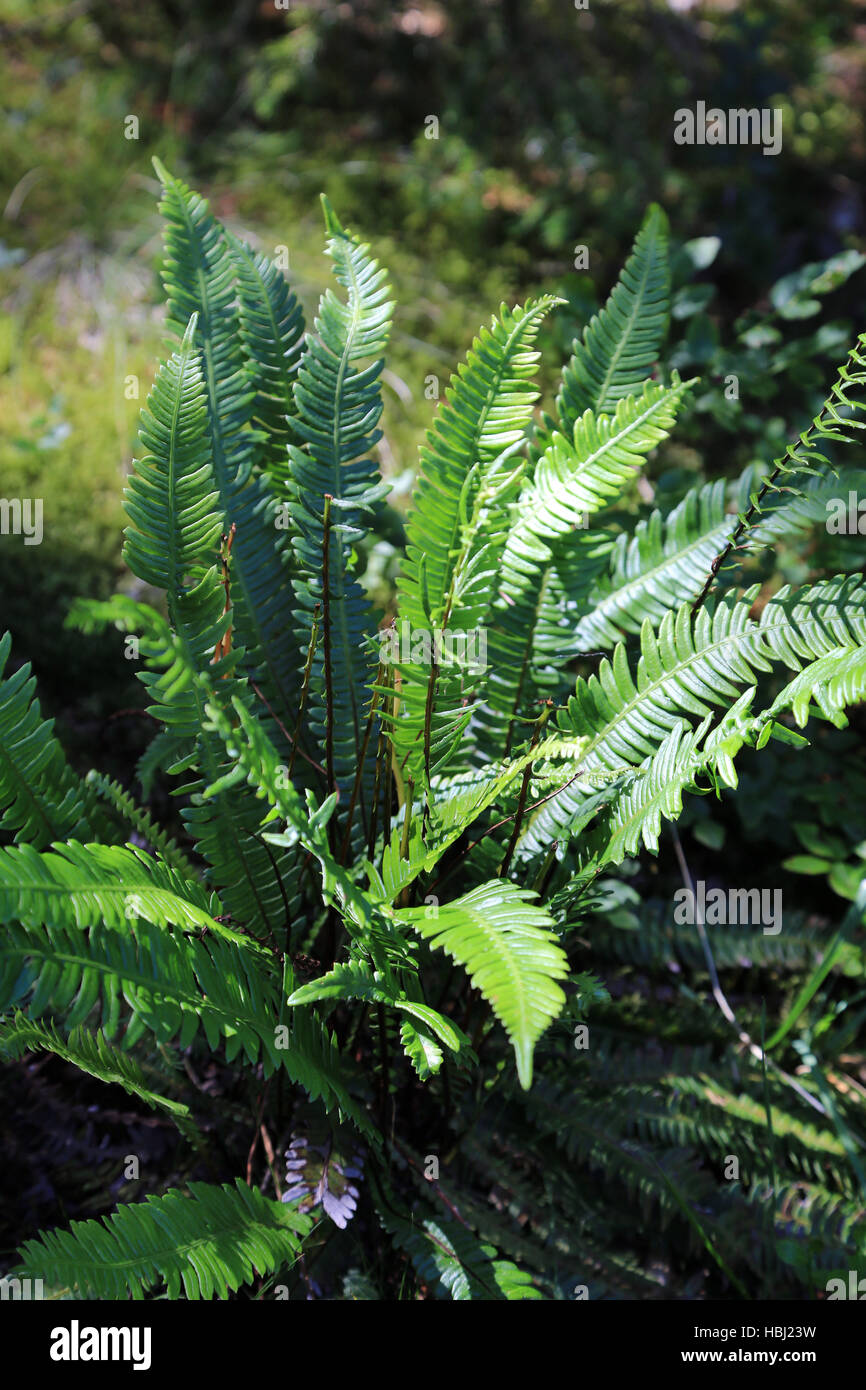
column 356, row 785
column 326, row 643
column 546, row 870
column 404, row 842
column 524, row 791
column 263, row 1095
column 718, row 994
column 428, row 725
column 284, row 731
column 533, row 806
column 785, row 464
column 383, row 1061
column 308, row 666
column 381, row 763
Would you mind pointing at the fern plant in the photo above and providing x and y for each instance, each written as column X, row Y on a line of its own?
column 389, row 907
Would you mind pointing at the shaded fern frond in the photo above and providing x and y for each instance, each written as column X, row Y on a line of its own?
column 141, row 821
column 199, row 276
column 90, row 1052
column 450, row 1258
column 41, row 799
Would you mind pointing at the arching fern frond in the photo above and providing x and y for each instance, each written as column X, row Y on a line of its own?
column 83, row 883
column 90, row 1052
column 665, row 562
column 831, row 684
column 692, row 665
column 835, row 423
column 205, row 1245
column 174, row 985
column 354, row 979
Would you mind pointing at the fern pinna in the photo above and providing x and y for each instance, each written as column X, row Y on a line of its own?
column 391, row 906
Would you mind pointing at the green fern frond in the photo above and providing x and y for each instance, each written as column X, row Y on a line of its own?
column 487, row 410
column 199, row 277
column 170, row 499
column 449, row 1257
column 208, row 1245
column 808, row 454
column 81, row 883
column 90, row 1052
column 255, row 885
column 572, row 480
column 272, row 332
column 621, row 343
column 695, row 663
column 41, row 799
column 455, row 532
column 505, row 944
column 832, row 684
column 335, row 489
column 354, row 979
column 141, row 821
column 665, row 562
column 174, row 985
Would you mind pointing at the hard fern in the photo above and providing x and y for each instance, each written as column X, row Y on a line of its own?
column 382, row 815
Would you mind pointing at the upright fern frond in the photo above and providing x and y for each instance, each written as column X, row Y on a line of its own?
column 199, row 275
column 335, row 487
column 173, row 508
column 487, row 410
column 272, row 333
column 455, row 530
column 41, row 799
column 572, row 480
column 170, row 499
column 621, row 343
